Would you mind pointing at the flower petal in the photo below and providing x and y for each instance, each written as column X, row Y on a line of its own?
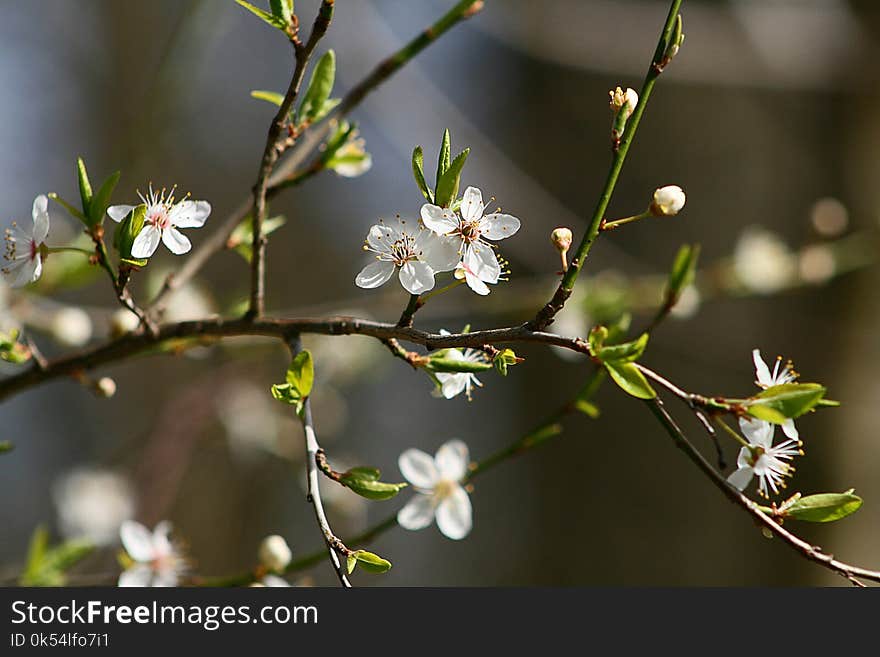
column 418, row 468
column 452, row 385
column 476, row 284
column 274, row 580
column 441, row 253
column 161, row 541
column 454, row 515
column 374, row 274
column 417, row 514
column 789, row 429
column 472, row 204
column 177, row 242
column 118, row 212
column 190, row 214
column 380, row 238
column 497, row 226
column 146, row 243
column 481, row 260
column 452, row 460
column 440, row 220
column 139, row 575
column 761, row 369
column 740, row 478
column 137, row 540
column 23, row 271
column 416, row 277
column 165, row 577
column 40, row 213
column 757, row 432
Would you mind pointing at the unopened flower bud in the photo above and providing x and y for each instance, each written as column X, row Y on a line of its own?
column 105, row 387
column 123, row 321
column 623, row 102
column 668, row 201
column 72, row 327
column 274, row 553
column 561, row 238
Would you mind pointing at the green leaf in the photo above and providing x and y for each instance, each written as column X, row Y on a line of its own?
column 282, row 9
column 369, row 486
column 320, row 86
column 242, row 238
column 684, row 268
column 350, row 563
column 504, row 359
column 419, row 174
column 264, row 15
column 444, row 157
column 623, row 353
column 6, row 446
column 824, row 507
column 447, row 186
column 126, row 232
column 67, row 206
column 301, row 373
column 596, row 339
column 101, row 200
column 85, row 187
column 36, row 552
column 372, row 563
column 365, row 472
column 269, row 96
column 442, row 363
column 587, row 408
column 630, row 379
column 789, row 400
column 11, row 350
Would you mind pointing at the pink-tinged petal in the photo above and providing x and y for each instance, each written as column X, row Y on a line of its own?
column 452, row 460
column 119, row 212
column 177, row 242
column 40, row 214
column 455, row 515
column 417, row 514
column 762, row 372
column 146, row 243
column 140, row 575
column 789, row 429
column 476, row 284
column 757, row 432
column 482, row 262
column 741, row 478
column 416, row 277
column 472, row 204
column 497, row 226
column 441, row 253
column 374, row 274
column 418, row 468
column 161, row 538
column 440, row 220
column 190, row 214
column 137, row 541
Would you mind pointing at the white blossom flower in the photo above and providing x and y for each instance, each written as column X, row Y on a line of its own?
column 762, row 262
column 274, row 553
column 351, row 159
column 417, row 253
column 157, row 561
column 454, row 383
column 162, row 220
column 92, row 504
column 761, row 459
column 471, row 228
column 272, row 581
column 24, row 257
column 767, row 379
column 668, row 201
column 439, row 491
column 71, row 326
column 623, row 101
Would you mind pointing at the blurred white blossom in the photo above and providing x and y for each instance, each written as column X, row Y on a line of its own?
column 762, row 262
column 71, row 326
column 92, row 504
column 157, row 561
column 274, row 553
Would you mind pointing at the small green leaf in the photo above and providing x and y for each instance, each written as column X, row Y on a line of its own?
column 684, row 269
column 370, row 487
column 301, row 373
column 596, row 339
column 242, row 238
column 504, row 359
column 36, row 551
column 350, row 563
column 269, row 96
column 419, row 174
column 623, row 353
column 101, row 200
column 6, row 446
column 447, row 186
column 442, row 363
column 630, row 379
column 126, row 232
column 372, row 563
column 444, row 157
column 282, row 9
column 320, row 86
column 587, row 408
column 824, row 507
column 85, row 187
column 365, row 472
column 780, row 403
column 264, row 15
column 67, row 206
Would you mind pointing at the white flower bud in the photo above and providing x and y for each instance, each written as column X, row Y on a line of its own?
column 72, row 327
column 668, row 201
column 123, row 321
column 561, row 238
column 105, row 387
column 274, row 553
column 623, row 103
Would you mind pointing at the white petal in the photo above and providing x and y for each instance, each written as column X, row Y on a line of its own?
column 416, row 277
column 497, row 226
column 417, row 514
column 177, row 242
column 452, row 460
column 190, row 214
column 146, row 243
column 24, row 271
column 440, row 220
column 761, row 369
column 439, row 252
column 374, row 274
column 137, row 541
column 789, row 429
column 418, row 468
column 476, row 284
column 166, row 577
column 740, row 478
column 472, row 204
column 481, row 260
column 757, row 432
column 380, row 238
column 274, row 580
column 454, row 515
column 118, row 212
column 140, row 575
column 40, row 214
column 452, row 384
column 161, row 541
column 744, row 460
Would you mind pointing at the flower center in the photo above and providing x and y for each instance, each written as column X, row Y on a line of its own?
column 158, row 216
column 403, row 250
column 470, row 231
column 444, row 488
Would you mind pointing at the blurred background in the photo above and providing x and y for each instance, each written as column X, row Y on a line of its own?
column 769, row 118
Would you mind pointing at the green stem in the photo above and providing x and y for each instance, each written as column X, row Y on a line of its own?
column 733, row 434
column 67, row 249
column 441, row 290
column 611, row 225
column 546, row 314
